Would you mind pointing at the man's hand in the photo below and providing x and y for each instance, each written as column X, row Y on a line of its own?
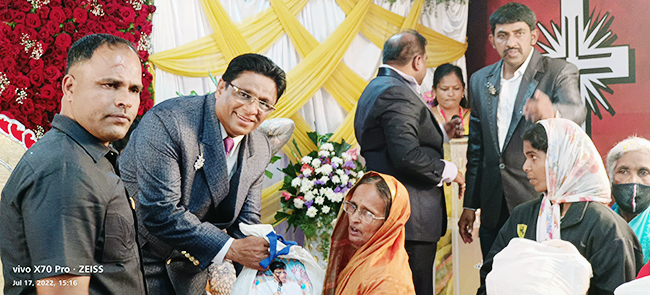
column 460, row 179
column 466, row 224
column 538, row 107
column 249, row 252
column 454, row 128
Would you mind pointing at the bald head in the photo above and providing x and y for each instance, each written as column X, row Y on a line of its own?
column 400, row 49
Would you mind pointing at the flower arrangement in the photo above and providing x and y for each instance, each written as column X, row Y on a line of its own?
column 314, row 188
column 35, row 36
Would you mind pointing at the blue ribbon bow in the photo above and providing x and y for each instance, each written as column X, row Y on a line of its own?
column 273, row 244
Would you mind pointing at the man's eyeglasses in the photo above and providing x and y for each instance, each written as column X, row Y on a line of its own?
column 248, row 98
column 365, row 215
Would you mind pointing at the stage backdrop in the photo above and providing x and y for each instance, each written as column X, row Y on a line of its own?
column 608, row 42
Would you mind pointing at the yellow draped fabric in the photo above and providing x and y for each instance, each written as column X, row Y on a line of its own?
column 321, row 65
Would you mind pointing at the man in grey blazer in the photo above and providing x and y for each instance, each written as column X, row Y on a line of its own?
column 399, row 136
column 196, row 165
column 506, row 98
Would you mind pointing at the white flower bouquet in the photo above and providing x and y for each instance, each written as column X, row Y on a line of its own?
column 314, row 189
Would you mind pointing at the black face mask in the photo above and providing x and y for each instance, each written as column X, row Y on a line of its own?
column 631, row 197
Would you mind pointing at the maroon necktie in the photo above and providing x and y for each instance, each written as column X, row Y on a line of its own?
column 228, row 143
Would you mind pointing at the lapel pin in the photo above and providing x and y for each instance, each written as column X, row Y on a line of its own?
column 491, row 88
column 199, row 162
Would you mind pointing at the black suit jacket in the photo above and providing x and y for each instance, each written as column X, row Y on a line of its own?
column 492, row 173
column 399, row 136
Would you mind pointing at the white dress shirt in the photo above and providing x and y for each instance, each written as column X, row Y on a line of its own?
column 507, row 97
column 231, row 160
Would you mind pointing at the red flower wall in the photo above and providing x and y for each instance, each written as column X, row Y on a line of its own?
column 35, row 37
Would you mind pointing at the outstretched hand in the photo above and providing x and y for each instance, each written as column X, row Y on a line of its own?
column 538, row 107
column 249, row 252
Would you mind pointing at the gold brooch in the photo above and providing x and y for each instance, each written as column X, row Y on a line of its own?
column 491, row 88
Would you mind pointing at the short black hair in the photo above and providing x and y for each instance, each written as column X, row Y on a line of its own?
column 512, row 13
column 399, row 50
column 277, row 264
column 537, row 137
column 446, row 69
column 256, row 63
column 85, row 47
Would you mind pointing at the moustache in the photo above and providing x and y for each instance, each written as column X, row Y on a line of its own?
column 511, row 48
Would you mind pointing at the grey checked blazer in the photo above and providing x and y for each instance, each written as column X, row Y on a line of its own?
column 492, row 173
column 178, row 205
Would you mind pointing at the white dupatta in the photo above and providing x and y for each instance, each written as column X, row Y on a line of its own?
column 574, row 173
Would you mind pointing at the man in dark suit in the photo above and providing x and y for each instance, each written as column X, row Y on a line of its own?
column 506, row 98
column 196, row 166
column 399, row 136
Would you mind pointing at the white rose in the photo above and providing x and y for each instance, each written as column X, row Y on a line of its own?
column 328, row 192
column 325, row 209
column 325, row 178
column 353, row 174
column 319, row 200
column 346, row 157
column 324, row 154
column 315, row 163
column 345, row 179
column 326, row 169
column 307, row 172
column 306, row 185
column 353, row 180
column 339, row 197
column 327, row 146
column 309, row 196
column 340, row 171
column 296, row 182
column 311, row 212
column 306, row 159
column 298, row 203
column 336, row 179
column 337, row 160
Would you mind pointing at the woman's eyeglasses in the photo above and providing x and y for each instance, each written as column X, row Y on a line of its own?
column 365, row 215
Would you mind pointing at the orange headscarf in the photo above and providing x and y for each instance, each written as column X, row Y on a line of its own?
column 380, row 266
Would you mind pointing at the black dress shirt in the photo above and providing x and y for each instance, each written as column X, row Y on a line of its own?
column 65, row 210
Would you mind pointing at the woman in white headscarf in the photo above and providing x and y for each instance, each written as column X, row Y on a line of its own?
column 563, row 164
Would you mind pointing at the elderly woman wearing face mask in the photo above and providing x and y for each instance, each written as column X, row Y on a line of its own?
column 628, row 165
column 367, row 253
column 564, row 166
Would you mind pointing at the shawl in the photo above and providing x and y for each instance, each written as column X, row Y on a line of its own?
column 574, row 173
column 380, row 266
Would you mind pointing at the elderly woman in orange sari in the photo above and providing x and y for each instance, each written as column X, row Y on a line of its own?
column 367, row 253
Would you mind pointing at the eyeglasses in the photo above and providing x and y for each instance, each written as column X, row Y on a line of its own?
column 248, row 98
column 365, row 215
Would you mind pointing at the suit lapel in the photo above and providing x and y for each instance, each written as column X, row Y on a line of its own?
column 246, row 151
column 526, row 90
column 492, row 101
column 215, row 166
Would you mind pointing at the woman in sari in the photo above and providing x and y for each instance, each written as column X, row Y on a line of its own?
column 447, row 96
column 367, row 253
column 563, row 164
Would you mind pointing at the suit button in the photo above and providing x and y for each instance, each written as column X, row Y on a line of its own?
column 196, row 262
column 502, row 166
column 169, row 262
